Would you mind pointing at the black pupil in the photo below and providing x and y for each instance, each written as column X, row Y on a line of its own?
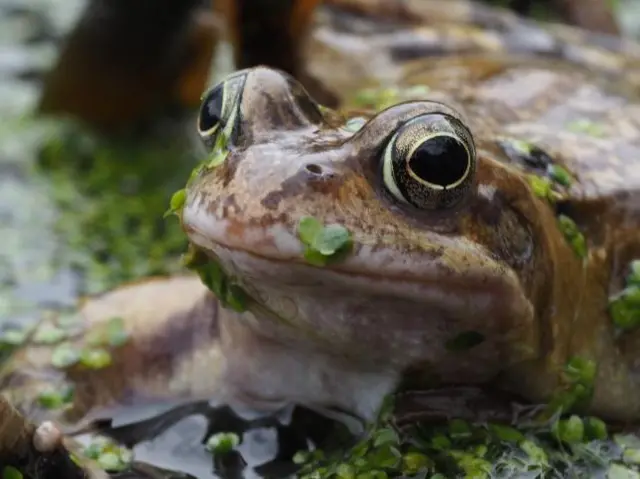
column 441, row 160
column 211, row 111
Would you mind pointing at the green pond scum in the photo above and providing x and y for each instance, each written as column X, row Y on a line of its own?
column 110, row 197
column 624, row 307
column 230, row 294
column 323, row 244
column 109, row 455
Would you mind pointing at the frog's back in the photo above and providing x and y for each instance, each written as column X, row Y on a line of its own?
column 567, row 126
column 585, row 125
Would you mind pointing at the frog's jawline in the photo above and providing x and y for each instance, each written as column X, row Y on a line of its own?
column 276, row 243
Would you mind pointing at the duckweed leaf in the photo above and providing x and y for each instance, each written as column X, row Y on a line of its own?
column 116, row 333
column 13, row 337
column 625, row 308
column 64, row 356
column 97, row 358
column 633, row 279
column 569, row 430
column 414, row 462
column 618, row 471
column 560, row 175
column 308, row 229
column 581, row 370
column 54, row 398
column 506, row 433
column 222, row 443
column 109, row 461
column 573, row 235
column 535, row 452
column 331, row 239
column 177, row 202
column 459, row 429
column 385, row 436
column 49, row 334
column 584, row 125
column 10, row 472
column 464, row 341
column 216, row 158
column 323, row 243
column 595, row 429
column 541, row 186
column 236, row 298
column 314, row 257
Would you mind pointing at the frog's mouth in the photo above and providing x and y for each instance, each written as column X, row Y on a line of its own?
column 459, row 278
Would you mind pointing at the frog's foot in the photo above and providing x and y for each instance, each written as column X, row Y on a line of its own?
column 157, row 339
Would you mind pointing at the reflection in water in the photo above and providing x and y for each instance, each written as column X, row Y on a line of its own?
column 168, row 441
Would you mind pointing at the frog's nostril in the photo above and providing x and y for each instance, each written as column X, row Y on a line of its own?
column 314, row 169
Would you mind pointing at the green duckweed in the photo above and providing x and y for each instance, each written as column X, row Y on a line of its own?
column 13, row 337
column 176, row 203
column 560, row 175
column 584, row 125
column 56, row 398
column 64, row 356
column 323, row 244
column 541, row 186
column 633, row 279
column 67, row 355
column 624, row 307
column 95, row 358
column 111, row 333
column 213, row 276
column 578, row 379
column 49, row 334
column 110, row 456
column 10, row 472
column 569, row 446
column 222, row 443
column 573, row 235
column 381, row 98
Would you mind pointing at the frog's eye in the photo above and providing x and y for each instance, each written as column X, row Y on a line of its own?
column 219, row 109
column 211, row 110
column 430, row 162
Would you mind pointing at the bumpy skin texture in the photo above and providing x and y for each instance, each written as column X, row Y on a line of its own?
column 345, row 334
column 496, row 264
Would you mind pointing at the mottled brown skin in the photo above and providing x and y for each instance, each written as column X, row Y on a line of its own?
column 497, row 264
column 382, row 39
column 344, row 335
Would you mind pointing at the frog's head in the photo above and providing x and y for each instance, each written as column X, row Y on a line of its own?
column 442, row 249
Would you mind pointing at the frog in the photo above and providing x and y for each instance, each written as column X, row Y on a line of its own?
column 477, row 249
column 468, row 248
column 491, row 261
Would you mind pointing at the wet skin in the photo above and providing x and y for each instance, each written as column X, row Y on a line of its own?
column 429, row 265
column 458, row 243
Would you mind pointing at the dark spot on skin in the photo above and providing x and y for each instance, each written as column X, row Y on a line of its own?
column 504, row 232
column 314, row 169
column 312, row 178
column 420, row 48
column 229, row 206
column 487, row 212
column 227, row 170
column 526, row 154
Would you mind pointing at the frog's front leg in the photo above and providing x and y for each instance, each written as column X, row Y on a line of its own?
column 168, row 323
